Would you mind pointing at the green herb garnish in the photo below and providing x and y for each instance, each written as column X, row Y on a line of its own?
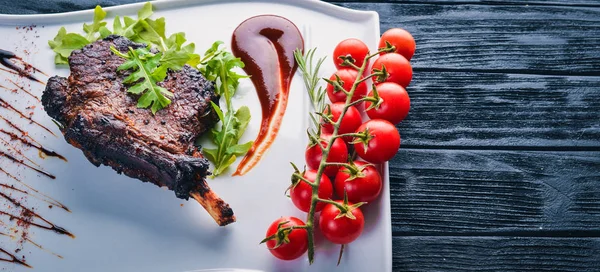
column 146, row 73
column 310, row 74
column 217, row 65
column 64, row 43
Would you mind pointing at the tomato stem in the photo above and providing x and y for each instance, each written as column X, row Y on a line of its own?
column 342, row 208
column 325, row 154
column 351, row 64
column 338, row 164
column 341, row 252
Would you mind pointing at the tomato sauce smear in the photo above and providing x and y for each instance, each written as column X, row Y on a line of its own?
column 266, row 45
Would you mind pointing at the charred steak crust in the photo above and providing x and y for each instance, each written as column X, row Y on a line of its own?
column 100, row 118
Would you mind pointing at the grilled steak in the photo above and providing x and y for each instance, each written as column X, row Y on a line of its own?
column 99, row 117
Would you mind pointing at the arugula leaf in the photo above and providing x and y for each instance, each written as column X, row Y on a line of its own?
column 226, row 139
column 64, row 43
column 94, row 28
column 219, row 66
column 144, row 64
column 176, row 56
column 146, row 11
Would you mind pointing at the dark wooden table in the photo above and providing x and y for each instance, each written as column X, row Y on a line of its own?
column 500, row 164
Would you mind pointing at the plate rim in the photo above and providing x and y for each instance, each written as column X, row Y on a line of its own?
column 66, row 17
column 162, row 5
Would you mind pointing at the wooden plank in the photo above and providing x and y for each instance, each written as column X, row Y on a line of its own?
column 502, row 110
column 495, row 254
column 515, row 39
column 487, row 192
column 584, row 3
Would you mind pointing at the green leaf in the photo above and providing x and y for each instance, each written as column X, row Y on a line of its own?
column 190, row 48
column 210, row 154
column 131, row 28
column 240, row 149
column 64, row 43
column 91, row 30
column 218, row 65
column 243, row 117
column 104, row 32
column 176, row 40
column 215, row 136
column 143, row 63
column 117, row 26
column 213, row 49
column 174, row 59
column 219, row 170
column 217, row 110
column 146, row 11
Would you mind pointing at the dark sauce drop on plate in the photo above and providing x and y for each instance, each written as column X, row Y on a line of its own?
column 266, row 45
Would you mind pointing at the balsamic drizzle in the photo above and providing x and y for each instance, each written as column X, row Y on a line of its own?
column 4, row 60
column 22, row 162
column 6, row 105
column 42, row 149
column 13, row 259
column 26, row 217
column 19, row 87
column 56, row 202
column 17, row 128
column 9, row 146
column 29, row 212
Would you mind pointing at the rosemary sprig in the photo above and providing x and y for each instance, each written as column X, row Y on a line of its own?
column 310, row 73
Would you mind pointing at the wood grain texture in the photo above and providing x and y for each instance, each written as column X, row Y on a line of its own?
column 504, row 254
column 568, row 3
column 512, row 39
column 501, row 111
column 495, row 192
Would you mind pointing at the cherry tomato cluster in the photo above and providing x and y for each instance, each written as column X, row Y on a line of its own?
column 350, row 178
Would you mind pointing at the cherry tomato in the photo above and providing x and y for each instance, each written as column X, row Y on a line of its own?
column 383, row 144
column 362, row 186
column 348, row 76
column 342, row 230
column 301, row 192
column 355, row 48
column 337, row 153
column 352, row 119
column 395, row 105
column 297, row 239
column 397, row 66
column 402, row 40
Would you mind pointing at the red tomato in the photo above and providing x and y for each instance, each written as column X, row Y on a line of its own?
column 362, row 186
column 355, row 48
column 397, row 66
column 301, row 192
column 297, row 242
column 342, row 230
column 383, row 144
column 352, row 119
column 348, row 76
column 337, row 153
column 395, row 105
column 401, row 39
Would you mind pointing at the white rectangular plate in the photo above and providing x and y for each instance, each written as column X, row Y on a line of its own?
column 123, row 224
